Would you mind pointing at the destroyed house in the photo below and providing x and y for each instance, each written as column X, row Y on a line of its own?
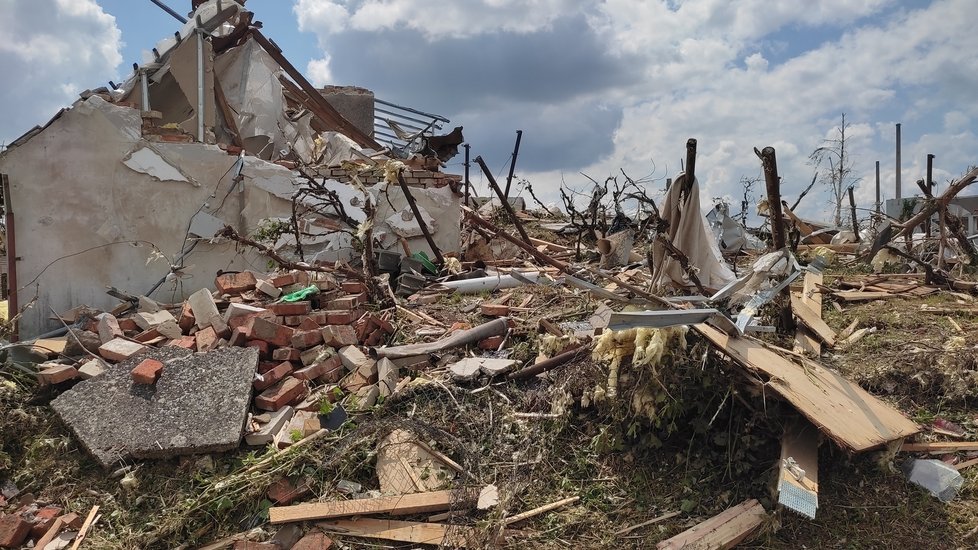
column 128, row 187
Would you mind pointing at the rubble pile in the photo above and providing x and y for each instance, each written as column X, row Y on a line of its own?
column 366, row 354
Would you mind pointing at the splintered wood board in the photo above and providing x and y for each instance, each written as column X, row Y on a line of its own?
column 724, row 530
column 415, row 503
column 813, row 320
column 452, row 536
column 848, row 414
column 812, row 297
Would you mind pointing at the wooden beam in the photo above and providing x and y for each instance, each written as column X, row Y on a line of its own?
column 812, row 319
column 812, row 297
column 725, row 530
column 940, row 447
column 415, row 532
column 542, row 509
column 398, row 505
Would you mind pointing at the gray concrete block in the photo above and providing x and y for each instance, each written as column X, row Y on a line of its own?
column 199, row 406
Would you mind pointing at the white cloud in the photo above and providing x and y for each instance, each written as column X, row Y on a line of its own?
column 318, row 72
column 52, row 49
column 433, row 19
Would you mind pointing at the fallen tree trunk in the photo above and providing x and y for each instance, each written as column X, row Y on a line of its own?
column 495, row 327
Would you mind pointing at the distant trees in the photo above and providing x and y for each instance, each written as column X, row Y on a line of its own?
column 838, row 179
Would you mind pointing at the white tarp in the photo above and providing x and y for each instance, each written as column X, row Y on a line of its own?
column 690, row 233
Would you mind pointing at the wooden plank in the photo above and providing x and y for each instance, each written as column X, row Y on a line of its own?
column 398, row 505
column 845, row 412
column 966, row 464
column 725, row 530
column 812, row 320
column 805, row 342
column 402, row 531
column 863, row 296
column 940, row 447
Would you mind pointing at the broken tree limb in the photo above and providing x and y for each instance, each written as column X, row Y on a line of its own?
column 229, row 233
column 477, row 220
column 495, row 327
column 690, row 167
column 504, row 200
column 769, row 162
column 933, row 206
column 512, row 165
column 852, row 214
column 549, row 364
column 417, row 216
column 652, row 521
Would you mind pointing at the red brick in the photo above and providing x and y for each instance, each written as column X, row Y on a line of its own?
column 364, row 327
column 72, row 520
column 13, row 530
column 293, row 320
column 492, row 343
column 147, row 372
column 279, row 281
column 235, row 283
column 286, row 354
column 330, row 368
column 315, row 540
column 272, row 376
column 337, row 336
column 273, row 333
column 57, row 374
column 284, row 491
column 128, row 324
column 290, row 308
column 308, row 324
column 43, row 519
column 186, row 342
column 346, row 302
column 281, row 394
column 374, row 338
column 252, row 545
column 206, row 338
column 261, row 345
column 147, row 335
column 307, row 338
column 340, row 317
column 220, row 327
column 265, row 366
column 187, row 319
column 353, row 287
column 239, row 337
column 318, row 317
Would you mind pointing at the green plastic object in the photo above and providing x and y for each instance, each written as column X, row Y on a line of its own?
column 299, row 295
column 426, row 262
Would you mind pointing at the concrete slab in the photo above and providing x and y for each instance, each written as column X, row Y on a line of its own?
column 199, row 406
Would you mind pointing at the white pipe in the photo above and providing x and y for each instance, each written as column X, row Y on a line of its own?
column 493, row 282
column 144, row 81
column 200, row 85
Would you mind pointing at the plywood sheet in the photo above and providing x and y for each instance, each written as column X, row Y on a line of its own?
column 848, row 414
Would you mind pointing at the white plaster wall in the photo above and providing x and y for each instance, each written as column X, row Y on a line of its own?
column 85, row 220
column 73, row 196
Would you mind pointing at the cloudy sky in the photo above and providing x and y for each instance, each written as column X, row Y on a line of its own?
column 595, row 86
